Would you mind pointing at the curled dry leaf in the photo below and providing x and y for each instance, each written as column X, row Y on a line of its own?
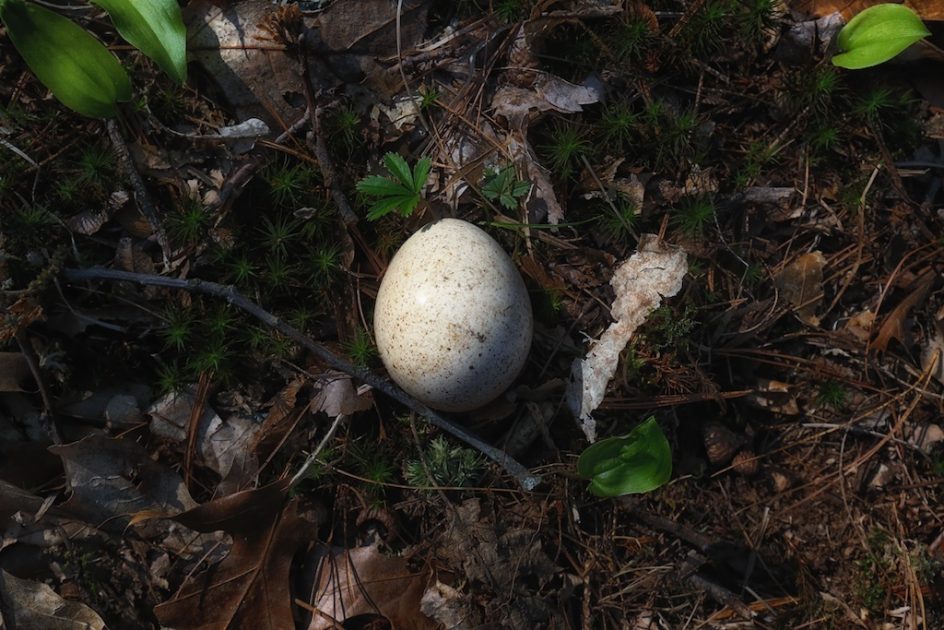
column 32, row 605
column 223, row 446
column 653, row 272
column 250, row 588
column 894, row 325
column 364, row 581
column 112, row 479
column 88, row 222
column 801, row 284
column 18, row 316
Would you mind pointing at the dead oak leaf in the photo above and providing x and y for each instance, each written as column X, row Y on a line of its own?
column 251, row 587
column 801, row 284
column 893, row 327
column 364, row 581
column 29, row 604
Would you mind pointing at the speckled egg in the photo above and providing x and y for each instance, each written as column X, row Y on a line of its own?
column 453, row 319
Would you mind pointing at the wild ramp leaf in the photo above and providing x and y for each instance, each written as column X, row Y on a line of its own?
column 76, row 67
column 878, row 34
column 632, row 464
column 156, row 28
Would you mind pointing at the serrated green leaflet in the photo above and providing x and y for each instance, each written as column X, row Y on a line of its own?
column 638, row 462
column 402, row 192
column 76, row 67
column 878, row 34
column 156, row 28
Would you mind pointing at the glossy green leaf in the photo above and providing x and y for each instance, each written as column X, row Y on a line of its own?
column 878, row 34
column 400, row 170
column 76, row 67
column 156, row 28
column 638, row 462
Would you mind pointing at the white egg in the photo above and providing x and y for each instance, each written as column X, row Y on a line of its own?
column 453, row 320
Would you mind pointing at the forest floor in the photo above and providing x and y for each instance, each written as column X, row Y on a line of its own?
column 169, row 458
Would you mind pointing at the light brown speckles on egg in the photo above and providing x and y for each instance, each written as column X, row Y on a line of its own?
column 453, row 319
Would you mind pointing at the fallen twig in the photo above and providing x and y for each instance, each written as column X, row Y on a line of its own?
column 527, row 480
column 140, row 190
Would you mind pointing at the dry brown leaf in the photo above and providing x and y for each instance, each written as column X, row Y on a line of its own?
column 111, row 479
column 927, row 9
column 18, row 316
column 225, row 446
column 14, row 371
column 364, row 581
column 894, row 325
column 250, row 588
column 30, row 605
column 773, row 396
column 257, row 77
column 801, row 284
column 653, row 272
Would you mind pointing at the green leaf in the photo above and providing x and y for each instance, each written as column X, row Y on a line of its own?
column 420, row 173
column 76, row 67
column 638, row 462
column 877, row 34
column 378, row 186
column 387, row 205
column 156, row 28
column 398, row 167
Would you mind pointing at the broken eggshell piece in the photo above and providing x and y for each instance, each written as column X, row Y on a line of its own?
column 453, row 318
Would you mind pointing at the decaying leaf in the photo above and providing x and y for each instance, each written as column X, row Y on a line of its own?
column 549, row 93
column 250, row 588
column 111, row 479
column 338, row 396
column 14, row 371
column 364, row 581
column 774, row 396
column 450, row 607
column 509, row 560
column 894, row 325
column 224, row 446
column 32, row 605
column 926, row 9
column 801, row 284
column 256, row 75
column 18, row 316
column 653, row 272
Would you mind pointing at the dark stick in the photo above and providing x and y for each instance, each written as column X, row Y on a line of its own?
column 229, row 293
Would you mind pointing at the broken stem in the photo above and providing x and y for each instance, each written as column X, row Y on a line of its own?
column 145, row 205
column 527, row 480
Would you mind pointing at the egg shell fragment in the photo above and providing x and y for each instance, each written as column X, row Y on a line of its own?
column 453, row 319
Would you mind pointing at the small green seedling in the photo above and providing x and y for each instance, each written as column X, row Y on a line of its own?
column 77, row 68
column 503, row 186
column 632, row 464
column 401, row 191
column 878, row 34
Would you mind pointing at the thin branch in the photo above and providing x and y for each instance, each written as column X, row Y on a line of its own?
column 140, row 190
column 315, row 139
column 527, row 480
column 315, row 453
